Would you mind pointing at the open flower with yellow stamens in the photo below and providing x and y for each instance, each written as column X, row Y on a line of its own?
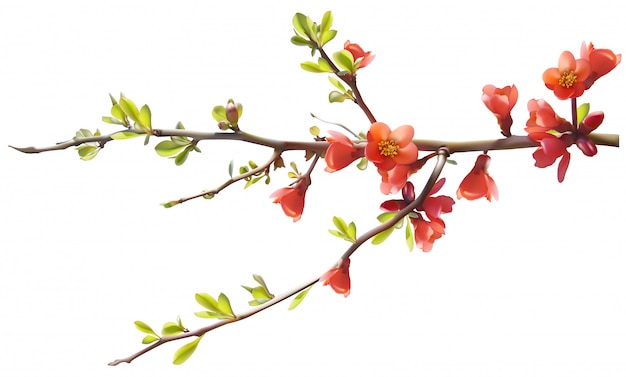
column 568, row 80
column 386, row 148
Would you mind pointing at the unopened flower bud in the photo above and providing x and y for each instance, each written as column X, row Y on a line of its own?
column 223, row 126
column 587, row 146
column 591, row 122
column 232, row 114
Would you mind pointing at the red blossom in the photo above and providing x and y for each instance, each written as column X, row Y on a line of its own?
column 341, row 152
column 568, row 79
column 553, row 133
column 426, row 231
column 291, row 199
column 602, row 61
column 358, row 53
column 478, row 183
column 386, row 148
column 500, row 102
column 338, row 278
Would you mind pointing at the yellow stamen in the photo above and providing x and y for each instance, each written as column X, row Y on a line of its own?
column 567, row 80
column 388, row 148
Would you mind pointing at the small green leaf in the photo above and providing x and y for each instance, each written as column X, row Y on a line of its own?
column 327, row 37
column 149, row 339
column 168, row 148
column 314, row 130
column 312, row 67
column 335, row 96
column 117, row 112
column 145, row 117
column 86, row 150
column 344, row 60
column 230, row 168
column 340, row 224
column 207, row 301
column 113, row 100
column 129, row 108
column 223, row 304
column 171, row 328
column 146, row 140
column 382, row 236
column 324, row 66
column 292, row 175
column 123, row 135
column 252, row 164
column 83, row 132
column 386, row 216
column 582, row 111
column 112, row 120
column 351, row 231
column 408, row 234
column 219, row 113
column 337, row 84
column 362, row 165
column 182, row 156
column 170, row 204
column 451, row 162
column 143, row 327
column 300, row 41
column 186, row 351
column 298, row 299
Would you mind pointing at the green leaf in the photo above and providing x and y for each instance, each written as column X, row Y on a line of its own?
column 314, row 130
column 149, row 339
column 113, row 100
column 123, row 135
column 335, row 96
column 129, row 108
column 230, row 168
column 83, row 132
column 172, row 328
column 144, row 328
column 145, row 117
column 207, row 301
column 186, row 351
column 300, row 41
column 328, row 36
column 168, row 148
column 362, row 165
column 351, row 231
column 340, row 224
column 304, row 25
column 86, row 150
column 219, row 113
column 182, row 156
column 337, row 84
column 344, row 60
column 252, row 164
column 223, row 304
column 408, row 235
column 170, row 204
column 451, row 162
column 117, row 112
column 386, row 216
column 112, row 120
column 327, row 22
column 312, row 67
column 252, row 181
column 323, row 64
column 582, row 111
column 382, row 236
column 298, row 299
column 146, row 140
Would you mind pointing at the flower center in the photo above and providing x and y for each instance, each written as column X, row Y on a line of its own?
column 388, row 148
column 568, row 78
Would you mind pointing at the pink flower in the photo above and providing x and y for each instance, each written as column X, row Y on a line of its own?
column 341, row 152
column 478, row 183
column 358, row 53
column 427, row 232
column 500, row 102
column 338, row 278
column 568, row 79
column 602, row 61
column 291, row 199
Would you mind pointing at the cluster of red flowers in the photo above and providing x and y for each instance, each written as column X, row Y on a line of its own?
column 395, row 155
column 426, row 218
column 554, row 134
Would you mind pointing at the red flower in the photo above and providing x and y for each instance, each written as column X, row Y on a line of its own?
column 426, row 232
column 358, row 53
column 602, row 61
column 568, row 80
column 338, row 278
column 500, row 101
column 554, row 134
column 386, row 149
column 291, row 199
column 341, row 152
column 478, row 183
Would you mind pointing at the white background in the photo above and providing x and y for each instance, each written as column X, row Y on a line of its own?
column 530, row 285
